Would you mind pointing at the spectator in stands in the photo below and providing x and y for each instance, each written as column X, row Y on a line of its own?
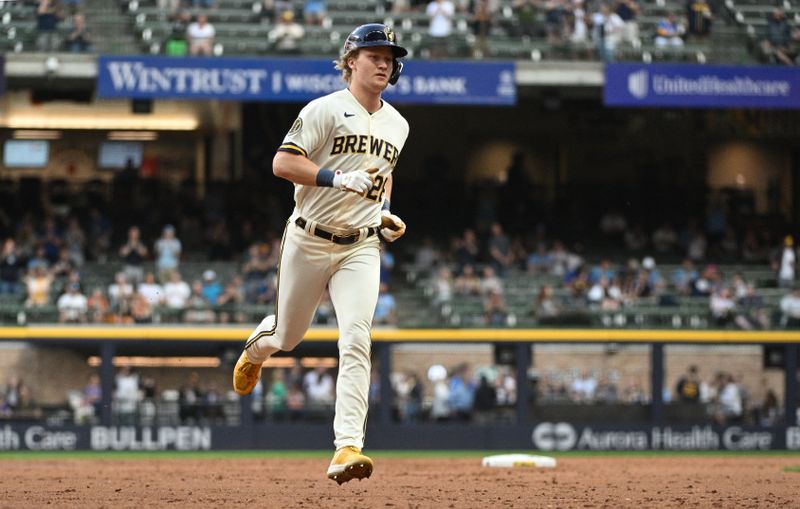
column 126, row 396
column 545, row 308
column 232, row 296
column 605, row 295
column 665, row 238
column 286, row 35
column 669, row 32
column 583, row 387
column 413, row 405
column 151, row 290
column 752, row 312
column 141, row 309
column 39, row 259
column 12, row 266
column 490, row 282
column 386, row 308
column 319, row 387
column 494, row 309
column 683, row 277
column 38, row 283
column 314, row 12
column 539, row 261
column 481, row 25
column 485, row 402
column 168, row 252
column 198, row 309
column 426, row 257
column 177, row 44
column 769, row 413
column 440, row 15
column 176, row 291
column 554, row 21
column 526, row 12
column 699, row 18
column 688, row 387
column 190, row 400
column 461, row 393
column 75, row 242
column 466, row 250
column 607, row 391
column 48, row 15
column 92, row 396
column 63, row 267
column 499, row 249
column 468, row 282
column 729, row 407
column 79, row 39
column 295, row 402
column 790, row 309
column 73, row 306
column 442, row 287
column 200, row 35
column 120, row 294
column 256, row 269
column 97, row 306
column 722, row 307
column 580, row 30
column 628, row 11
column 212, row 289
column 786, row 263
column 133, row 253
column 277, row 396
column 635, row 238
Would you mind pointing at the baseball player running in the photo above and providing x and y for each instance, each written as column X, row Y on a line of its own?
column 339, row 154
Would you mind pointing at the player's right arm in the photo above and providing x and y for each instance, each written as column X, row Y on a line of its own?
column 311, row 130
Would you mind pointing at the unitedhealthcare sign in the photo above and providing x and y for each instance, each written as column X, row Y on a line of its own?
column 697, row 86
column 275, row 79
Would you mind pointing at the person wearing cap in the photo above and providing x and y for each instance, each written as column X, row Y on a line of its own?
column 286, row 34
column 340, row 154
column 212, row 289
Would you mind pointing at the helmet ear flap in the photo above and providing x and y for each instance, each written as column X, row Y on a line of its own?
column 397, row 68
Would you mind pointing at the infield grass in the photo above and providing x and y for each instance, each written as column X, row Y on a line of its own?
column 400, row 454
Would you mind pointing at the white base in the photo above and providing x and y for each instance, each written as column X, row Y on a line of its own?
column 519, row 460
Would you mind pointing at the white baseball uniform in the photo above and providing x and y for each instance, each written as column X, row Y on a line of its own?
column 338, row 133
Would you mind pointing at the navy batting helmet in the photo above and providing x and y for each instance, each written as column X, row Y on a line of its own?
column 376, row 34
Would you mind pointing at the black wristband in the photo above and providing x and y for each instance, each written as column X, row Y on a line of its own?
column 386, row 205
column 325, row 177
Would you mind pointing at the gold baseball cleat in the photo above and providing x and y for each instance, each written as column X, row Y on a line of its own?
column 348, row 463
column 245, row 375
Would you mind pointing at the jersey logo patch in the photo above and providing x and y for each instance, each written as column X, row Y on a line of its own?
column 348, row 115
column 296, row 126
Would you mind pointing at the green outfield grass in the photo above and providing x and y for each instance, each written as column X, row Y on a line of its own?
column 436, row 454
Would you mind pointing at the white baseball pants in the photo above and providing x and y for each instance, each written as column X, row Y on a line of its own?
column 352, row 273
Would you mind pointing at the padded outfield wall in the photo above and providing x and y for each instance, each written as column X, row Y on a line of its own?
column 527, row 431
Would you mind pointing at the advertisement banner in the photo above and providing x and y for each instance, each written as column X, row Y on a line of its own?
column 285, row 80
column 564, row 436
column 701, row 86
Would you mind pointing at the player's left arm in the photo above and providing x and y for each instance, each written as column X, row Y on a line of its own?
column 392, row 227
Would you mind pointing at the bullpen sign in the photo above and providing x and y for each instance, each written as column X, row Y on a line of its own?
column 700, row 86
column 275, row 79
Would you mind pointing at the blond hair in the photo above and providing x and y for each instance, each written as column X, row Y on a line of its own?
column 341, row 64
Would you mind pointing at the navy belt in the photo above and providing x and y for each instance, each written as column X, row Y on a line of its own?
column 336, row 239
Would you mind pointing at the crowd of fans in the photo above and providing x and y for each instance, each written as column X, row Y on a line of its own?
column 44, row 263
column 589, row 27
column 50, row 14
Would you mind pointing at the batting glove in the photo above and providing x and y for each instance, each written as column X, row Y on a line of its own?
column 358, row 182
column 392, row 227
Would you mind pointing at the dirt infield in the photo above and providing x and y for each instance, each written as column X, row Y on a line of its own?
column 596, row 482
